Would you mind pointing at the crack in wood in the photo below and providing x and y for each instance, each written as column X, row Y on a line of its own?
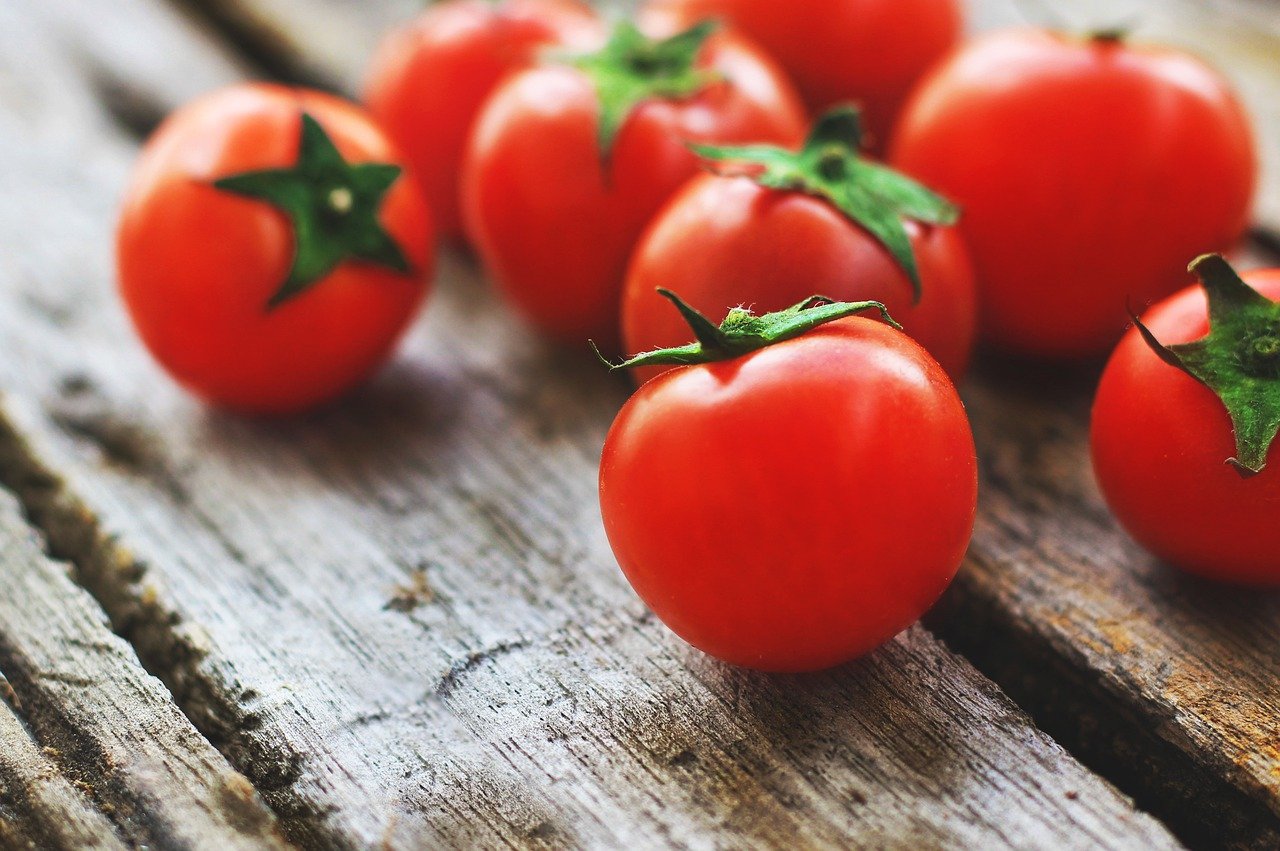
column 116, row 582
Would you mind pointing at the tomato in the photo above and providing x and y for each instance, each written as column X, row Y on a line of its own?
column 1161, row 440
column 868, row 51
column 236, row 299
column 730, row 240
column 1088, row 170
column 430, row 78
column 795, row 506
column 559, row 184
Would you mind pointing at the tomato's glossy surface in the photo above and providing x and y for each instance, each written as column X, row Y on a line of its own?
column 429, row 80
column 798, row 506
column 725, row 242
column 1160, row 444
column 197, row 265
column 555, row 225
column 870, row 52
column 1088, row 170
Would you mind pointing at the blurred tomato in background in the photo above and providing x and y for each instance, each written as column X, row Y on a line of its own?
column 555, row 214
column 870, row 52
column 1090, row 170
column 429, row 79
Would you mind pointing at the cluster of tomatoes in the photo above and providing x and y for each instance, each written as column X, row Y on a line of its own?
column 857, row 195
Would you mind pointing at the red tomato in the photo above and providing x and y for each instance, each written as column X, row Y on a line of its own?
column 554, row 224
column 726, row 241
column 868, row 51
column 1160, row 443
column 1088, row 170
column 429, row 80
column 202, row 269
column 798, row 506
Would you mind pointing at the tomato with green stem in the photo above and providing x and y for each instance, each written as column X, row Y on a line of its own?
column 569, row 163
column 1184, row 427
column 429, row 80
column 271, row 247
column 871, row 52
column 1088, row 168
column 799, row 491
column 773, row 225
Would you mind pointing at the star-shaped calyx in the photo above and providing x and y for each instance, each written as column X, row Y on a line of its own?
column 830, row 166
column 632, row 68
column 742, row 331
column 1239, row 360
column 332, row 206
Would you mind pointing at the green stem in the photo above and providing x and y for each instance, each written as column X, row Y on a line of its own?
column 742, row 331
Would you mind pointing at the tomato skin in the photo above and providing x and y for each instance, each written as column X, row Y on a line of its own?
column 1088, row 172
column 197, row 265
column 429, row 80
column 796, row 507
column 871, row 52
column 555, row 233
column 725, row 242
column 1160, row 440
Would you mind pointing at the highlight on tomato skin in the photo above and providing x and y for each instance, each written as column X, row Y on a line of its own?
column 1162, row 445
column 429, row 79
column 1089, row 169
column 871, row 52
column 558, row 185
column 272, row 247
column 795, row 507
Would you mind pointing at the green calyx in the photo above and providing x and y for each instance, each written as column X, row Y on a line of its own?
column 742, row 331
column 332, row 206
column 632, row 69
column 1239, row 360
column 830, row 166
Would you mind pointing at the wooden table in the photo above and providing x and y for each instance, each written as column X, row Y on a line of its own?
column 397, row 621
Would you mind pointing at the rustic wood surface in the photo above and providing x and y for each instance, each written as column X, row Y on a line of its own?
column 399, row 618
column 115, row 759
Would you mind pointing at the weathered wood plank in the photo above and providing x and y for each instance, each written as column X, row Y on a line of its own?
column 39, row 806
column 1051, row 579
column 109, row 733
column 529, row 699
column 1169, row 685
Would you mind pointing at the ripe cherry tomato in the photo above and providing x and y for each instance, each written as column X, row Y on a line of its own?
column 429, row 80
column 1162, row 439
column 725, row 241
column 271, row 249
column 795, row 506
column 868, row 51
column 559, row 185
column 1088, row 170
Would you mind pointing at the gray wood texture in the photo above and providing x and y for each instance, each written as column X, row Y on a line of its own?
column 112, row 759
column 39, row 806
column 398, row 617
column 1170, row 686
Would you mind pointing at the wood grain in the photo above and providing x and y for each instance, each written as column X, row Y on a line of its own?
column 39, row 807
column 528, row 699
column 1056, row 603
column 116, row 759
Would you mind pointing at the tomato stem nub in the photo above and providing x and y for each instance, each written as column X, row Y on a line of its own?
column 332, row 206
column 830, row 166
column 742, row 331
column 632, row 68
column 1239, row 360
